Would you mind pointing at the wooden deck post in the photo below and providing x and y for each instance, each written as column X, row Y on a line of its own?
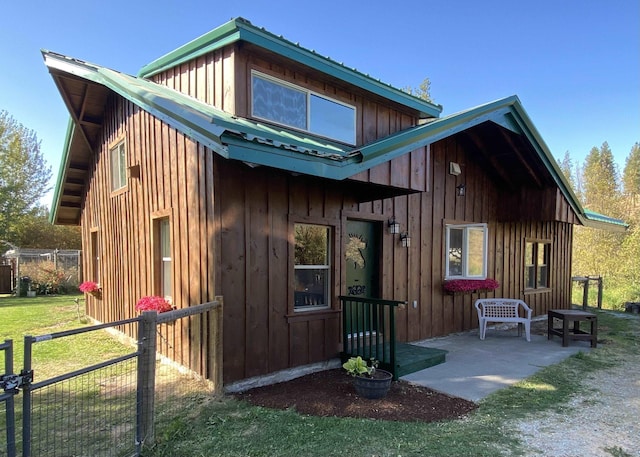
column 146, row 377
column 585, row 293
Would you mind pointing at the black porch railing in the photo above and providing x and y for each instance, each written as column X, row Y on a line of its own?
column 369, row 330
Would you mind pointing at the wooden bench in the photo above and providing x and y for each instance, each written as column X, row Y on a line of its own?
column 503, row 310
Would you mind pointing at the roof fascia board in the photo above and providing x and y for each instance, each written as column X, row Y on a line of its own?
column 62, row 172
column 171, row 60
column 608, row 226
column 241, row 30
column 190, row 121
column 408, row 140
column 245, row 151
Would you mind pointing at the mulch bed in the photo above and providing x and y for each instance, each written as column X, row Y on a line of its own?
column 331, row 393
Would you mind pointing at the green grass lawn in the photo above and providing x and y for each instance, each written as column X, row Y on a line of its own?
column 232, row 428
column 44, row 315
column 208, row 426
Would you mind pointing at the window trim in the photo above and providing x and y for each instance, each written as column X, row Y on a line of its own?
column 330, row 268
column 465, row 264
column 157, row 219
column 536, row 242
column 308, row 94
column 114, row 150
column 94, row 240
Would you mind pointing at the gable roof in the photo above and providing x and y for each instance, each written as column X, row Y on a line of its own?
column 240, row 29
column 85, row 88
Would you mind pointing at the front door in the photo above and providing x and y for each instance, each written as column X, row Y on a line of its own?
column 362, row 256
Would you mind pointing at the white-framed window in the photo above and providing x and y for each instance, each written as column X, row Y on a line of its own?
column 118, row 157
column 536, row 264
column 302, row 109
column 312, row 267
column 466, row 251
column 163, row 262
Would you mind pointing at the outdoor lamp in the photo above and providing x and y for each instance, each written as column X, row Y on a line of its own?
column 394, row 227
column 405, row 239
column 460, row 190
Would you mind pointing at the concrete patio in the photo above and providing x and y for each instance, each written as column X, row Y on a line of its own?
column 475, row 368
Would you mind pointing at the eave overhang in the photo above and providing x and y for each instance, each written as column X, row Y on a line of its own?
column 85, row 86
column 240, row 29
column 602, row 222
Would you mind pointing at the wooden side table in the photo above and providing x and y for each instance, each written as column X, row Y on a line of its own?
column 572, row 332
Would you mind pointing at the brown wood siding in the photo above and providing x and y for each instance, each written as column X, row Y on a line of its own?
column 223, row 79
column 417, row 273
column 232, row 225
column 256, row 217
column 238, row 243
column 176, row 180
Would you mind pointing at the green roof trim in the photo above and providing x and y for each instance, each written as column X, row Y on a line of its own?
column 64, row 163
column 262, row 144
column 240, row 29
column 597, row 220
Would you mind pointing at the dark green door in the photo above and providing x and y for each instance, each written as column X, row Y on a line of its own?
column 362, row 254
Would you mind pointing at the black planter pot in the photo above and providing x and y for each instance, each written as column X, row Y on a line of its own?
column 375, row 387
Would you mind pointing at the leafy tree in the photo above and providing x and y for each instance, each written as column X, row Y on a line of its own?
column 423, row 91
column 24, row 174
column 35, row 231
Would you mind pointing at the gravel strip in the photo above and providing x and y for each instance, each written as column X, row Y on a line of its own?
column 603, row 421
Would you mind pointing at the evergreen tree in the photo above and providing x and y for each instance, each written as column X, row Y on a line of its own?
column 597, row 252
column 601, row 191
column 566, row 166
column 631, row 177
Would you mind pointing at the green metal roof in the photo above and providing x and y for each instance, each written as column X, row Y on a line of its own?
column 254, row 142
column 240, row 29
column 597, row 220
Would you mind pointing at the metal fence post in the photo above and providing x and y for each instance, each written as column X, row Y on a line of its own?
column 7, row 346
column 146, row 378
column 26, row 398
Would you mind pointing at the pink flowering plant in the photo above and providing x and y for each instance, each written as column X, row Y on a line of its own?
column 467, row 286
column 153, row 303
column 89, row 287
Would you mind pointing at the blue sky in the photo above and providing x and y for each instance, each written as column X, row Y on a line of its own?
column 575, row 64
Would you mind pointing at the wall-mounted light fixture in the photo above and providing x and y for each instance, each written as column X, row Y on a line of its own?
column 394, row 227
column 405, row 239
column 454, row 168
column 460, row 190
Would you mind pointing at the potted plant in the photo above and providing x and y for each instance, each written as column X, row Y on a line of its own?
column 369, row 381
column 92, row 288
column 154, row 303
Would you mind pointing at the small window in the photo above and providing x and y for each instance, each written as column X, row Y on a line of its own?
column 311, row 267
column 299, row 108
column 164, row 260
column 95, row 257
column 118, row 157
column 466, row 247
column 536, row 268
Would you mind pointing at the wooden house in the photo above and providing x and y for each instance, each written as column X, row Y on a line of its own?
column 244, row 165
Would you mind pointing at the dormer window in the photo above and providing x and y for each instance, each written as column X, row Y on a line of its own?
column 302, row 109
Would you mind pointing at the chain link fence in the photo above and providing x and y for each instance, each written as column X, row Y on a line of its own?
column 44, row 271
